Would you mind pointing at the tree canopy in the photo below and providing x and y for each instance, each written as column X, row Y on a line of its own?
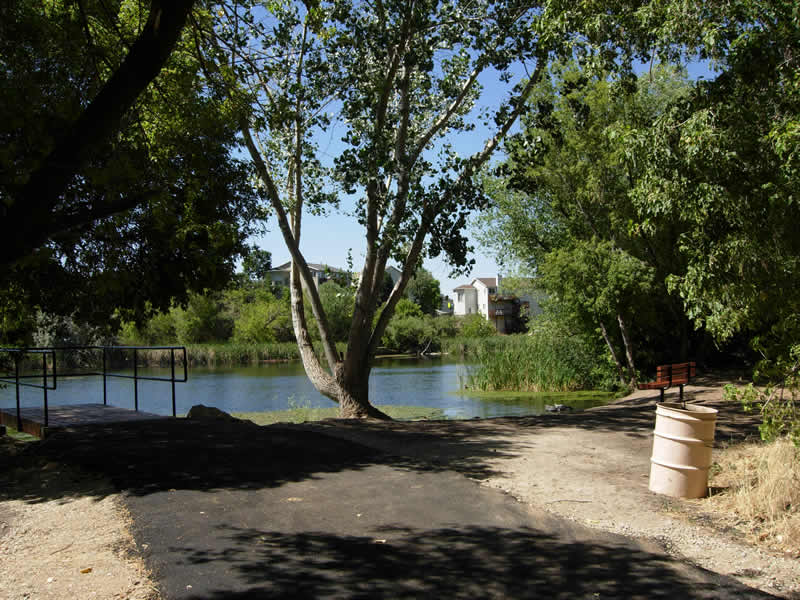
column 562, row 211
column 697, row 180
column 119, row 186
column 423, row 289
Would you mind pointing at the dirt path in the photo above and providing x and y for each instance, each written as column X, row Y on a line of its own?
column 589, row 467
column 75, row 547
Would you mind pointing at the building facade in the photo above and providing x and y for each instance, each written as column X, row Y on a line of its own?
column 485, row 296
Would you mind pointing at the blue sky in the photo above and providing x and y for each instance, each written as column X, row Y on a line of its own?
column 328, row 239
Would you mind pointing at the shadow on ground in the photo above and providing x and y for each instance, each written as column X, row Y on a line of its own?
column 146, row 457
column 468, row 446
column 470, row 562
column 227, row 509
column 152, row 456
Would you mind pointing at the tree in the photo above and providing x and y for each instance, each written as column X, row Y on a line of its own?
column 401, row 77
column 598, row 286
column 135, row 199
column 202, row 321
column 563, row 212
column 32, row 201
column 338, row 303
column 386, row 288
column 256, row 264
column 262, row 318
column 423, row 289
column 726, row 164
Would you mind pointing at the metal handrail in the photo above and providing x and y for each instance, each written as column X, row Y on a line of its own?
column 44, row 386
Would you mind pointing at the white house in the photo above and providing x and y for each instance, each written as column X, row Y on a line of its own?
column 484, row 296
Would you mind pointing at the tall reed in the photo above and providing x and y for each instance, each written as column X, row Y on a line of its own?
column 467, row 346
column 537, row 362
column 228, row 355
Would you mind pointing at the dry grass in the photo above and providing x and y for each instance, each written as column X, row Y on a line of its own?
column 761, row 489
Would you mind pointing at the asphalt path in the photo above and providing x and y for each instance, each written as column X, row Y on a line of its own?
column 231, row 510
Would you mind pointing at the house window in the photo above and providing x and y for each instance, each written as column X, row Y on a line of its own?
column 492, row 290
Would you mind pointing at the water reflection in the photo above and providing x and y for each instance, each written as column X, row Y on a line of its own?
column 277, row 386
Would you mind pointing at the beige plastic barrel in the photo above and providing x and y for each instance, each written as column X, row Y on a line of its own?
column 682, row 446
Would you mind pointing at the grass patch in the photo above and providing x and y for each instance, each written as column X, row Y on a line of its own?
column 304, row 414
column 19, row 436
column 761, row 489
column 537, row 402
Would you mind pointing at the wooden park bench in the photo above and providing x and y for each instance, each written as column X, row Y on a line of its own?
column 669, row 375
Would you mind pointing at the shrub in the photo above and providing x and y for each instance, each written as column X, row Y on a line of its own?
column 262, row 322
column 411, row 334
column 202, row 320
column 475, row 326
column 778, row 403
column 406, row 308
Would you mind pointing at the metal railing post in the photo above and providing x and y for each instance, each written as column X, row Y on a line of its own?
column 44, row 386
column 135, row 381
column 172, row 377
column 105, row 396
column 55, row 370
column 16, row 377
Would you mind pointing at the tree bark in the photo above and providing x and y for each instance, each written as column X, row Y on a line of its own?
column 626, row 340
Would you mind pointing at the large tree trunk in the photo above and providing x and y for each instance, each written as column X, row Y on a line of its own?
column 353, row 397
column 351, row 392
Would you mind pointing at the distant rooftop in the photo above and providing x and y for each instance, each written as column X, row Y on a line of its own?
column 487, row 281
column 313, row 266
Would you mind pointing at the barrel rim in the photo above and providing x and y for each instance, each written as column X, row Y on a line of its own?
column 695, row 411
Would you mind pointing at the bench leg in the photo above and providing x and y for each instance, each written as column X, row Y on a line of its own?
column 681, row 393
column 661, row 393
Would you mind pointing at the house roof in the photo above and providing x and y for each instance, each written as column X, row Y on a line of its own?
column 464, row 287
column 313, row 266
column 487, row 281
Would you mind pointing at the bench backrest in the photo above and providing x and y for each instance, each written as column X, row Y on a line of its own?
column 675, row 374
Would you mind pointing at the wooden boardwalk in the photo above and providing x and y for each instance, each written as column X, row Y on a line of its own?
column 74, row 415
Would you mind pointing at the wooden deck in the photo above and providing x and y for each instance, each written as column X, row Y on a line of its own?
column 74, row 415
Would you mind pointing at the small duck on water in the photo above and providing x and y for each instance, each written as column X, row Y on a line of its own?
column 556, row 407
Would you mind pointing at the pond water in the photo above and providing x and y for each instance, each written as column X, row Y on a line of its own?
column 418, row 382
